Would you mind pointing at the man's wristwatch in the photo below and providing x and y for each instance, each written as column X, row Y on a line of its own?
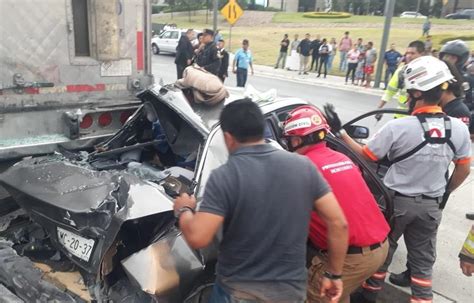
column 340, row 132
column 182, row 210
column 331, row 276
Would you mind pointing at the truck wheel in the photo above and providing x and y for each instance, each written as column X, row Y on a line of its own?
column 155, row 49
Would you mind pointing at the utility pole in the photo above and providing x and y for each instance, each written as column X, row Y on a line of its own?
column 389, row 8
column 215, row 3
column 418, row 7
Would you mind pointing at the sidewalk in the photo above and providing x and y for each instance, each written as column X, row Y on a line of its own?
column 331, row 81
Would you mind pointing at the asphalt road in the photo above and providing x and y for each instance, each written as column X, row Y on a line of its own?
column 348, row 104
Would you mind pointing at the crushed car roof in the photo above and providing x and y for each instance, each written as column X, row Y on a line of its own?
column 205, row 117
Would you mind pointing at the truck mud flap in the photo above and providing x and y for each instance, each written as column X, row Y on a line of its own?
column 20, row 275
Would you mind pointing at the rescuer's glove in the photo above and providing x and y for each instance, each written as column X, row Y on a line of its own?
column 332, row 118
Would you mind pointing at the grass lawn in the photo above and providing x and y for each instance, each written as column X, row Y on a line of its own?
column 298, row 18
column 264, row 39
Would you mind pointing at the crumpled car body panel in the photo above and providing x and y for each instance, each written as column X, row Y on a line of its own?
column 61, row 191
column 91, row 203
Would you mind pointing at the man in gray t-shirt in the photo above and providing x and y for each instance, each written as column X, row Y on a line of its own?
column 263, row 198
column 370, row 59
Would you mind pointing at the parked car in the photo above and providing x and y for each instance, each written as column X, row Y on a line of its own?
column 412, row 15
column 168, row 40
column 463, row 14
column 106, row 216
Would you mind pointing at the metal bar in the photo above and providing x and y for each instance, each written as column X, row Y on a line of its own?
column 389, row 8
column 230, row 38
column 148, row 36
column 215, row 4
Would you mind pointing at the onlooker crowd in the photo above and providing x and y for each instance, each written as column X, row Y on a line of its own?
column 209, row 54
column 357, row 60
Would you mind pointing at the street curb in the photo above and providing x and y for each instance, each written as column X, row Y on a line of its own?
column 268, row 72
column 315, row 82
column 395, row 294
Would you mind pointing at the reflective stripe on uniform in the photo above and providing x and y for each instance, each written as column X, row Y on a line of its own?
column 469, row 243
column 421, row 282
column 392, row 89
column 369, row 153
column 420, row 300
column 371, row 288
column 463, row 161
column 379, row 275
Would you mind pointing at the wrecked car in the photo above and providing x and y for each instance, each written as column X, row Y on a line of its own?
column 103, row 219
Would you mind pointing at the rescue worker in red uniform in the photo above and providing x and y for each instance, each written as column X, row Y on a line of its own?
column 305, row 131
column 420, row 148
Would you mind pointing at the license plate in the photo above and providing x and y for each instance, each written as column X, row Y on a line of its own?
column 75, row 244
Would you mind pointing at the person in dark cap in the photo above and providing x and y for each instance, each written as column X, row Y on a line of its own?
column 224, row 56
column 208, row 57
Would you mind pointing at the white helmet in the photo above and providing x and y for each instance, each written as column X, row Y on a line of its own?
column 425, row 73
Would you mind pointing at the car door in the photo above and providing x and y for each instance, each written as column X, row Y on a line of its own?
column 372, row 173
column 163, row 42
column 174, row 39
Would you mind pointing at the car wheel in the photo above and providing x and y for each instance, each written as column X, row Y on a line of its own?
column 155, row 49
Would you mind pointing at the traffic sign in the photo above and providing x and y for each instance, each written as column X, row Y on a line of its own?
column 232, row 11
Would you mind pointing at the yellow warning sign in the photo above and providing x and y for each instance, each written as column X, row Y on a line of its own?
column 232, row 11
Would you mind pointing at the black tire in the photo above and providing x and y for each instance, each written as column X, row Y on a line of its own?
column 155, row 49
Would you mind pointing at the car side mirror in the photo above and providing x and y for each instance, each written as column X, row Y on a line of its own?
column 357, row 131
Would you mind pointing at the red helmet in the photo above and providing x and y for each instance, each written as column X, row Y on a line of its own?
column 303, row 121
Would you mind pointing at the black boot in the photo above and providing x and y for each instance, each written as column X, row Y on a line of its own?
column 359, row 297
column 402, row 279
column 470, row 216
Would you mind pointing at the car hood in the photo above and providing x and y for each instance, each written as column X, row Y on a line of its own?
column 56, row 192
column 79, row 188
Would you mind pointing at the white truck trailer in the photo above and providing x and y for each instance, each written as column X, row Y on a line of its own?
column 69, row 71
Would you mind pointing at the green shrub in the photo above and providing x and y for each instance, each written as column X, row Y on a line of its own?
column 156, row 9
column 329, row 15
column 262, row 8
column 440, row 40
column 185, row 8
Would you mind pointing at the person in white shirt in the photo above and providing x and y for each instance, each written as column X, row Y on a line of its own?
column 352, row 60
column 324, row 51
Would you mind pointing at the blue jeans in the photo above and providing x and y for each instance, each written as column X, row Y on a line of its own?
column 219, row 295
column 330, row 60
column 389, row 73
column 343, row 62
column 241, row 76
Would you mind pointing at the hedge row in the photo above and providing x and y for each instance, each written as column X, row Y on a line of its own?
column 329, row 15
column 440, row 40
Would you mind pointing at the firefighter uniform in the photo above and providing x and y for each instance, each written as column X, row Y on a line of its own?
column 420, row 157
column 368, row 228
column 467, row 250
column 394, row 86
